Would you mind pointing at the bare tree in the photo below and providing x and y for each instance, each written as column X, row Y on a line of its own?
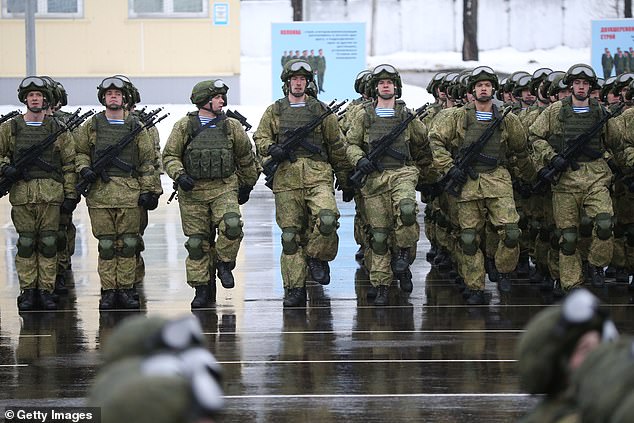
column 470, row 30
column 298, row 10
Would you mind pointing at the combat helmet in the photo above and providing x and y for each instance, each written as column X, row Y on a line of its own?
column 539, row 76
column 556, row 85
column 483, row 73
column 113, row 82
column 523, row 83
column 580, row 71
column 622, row 81
column 296, row 67
column 360, row 81
column 608, row 84
column 435, row 82
column 386, row 71
column 550, row 338
column 204, row 91
column 35, row 83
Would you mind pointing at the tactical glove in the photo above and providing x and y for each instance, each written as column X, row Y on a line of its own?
column 430, row 191
column 68, row 205
column 559, row 163
column 243, row 194
column 365, row 166
column 186, row 182
column 10, row 171
column 148, row 200
column 88, row 174
column 277, row 153
column 457, row 175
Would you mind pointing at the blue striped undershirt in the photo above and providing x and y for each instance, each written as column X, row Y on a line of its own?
column 581, row 109
column 483, row 116
column 302, row 104
column 116, row 121
column 205, row 120
column 30, row 123
column 384, row 112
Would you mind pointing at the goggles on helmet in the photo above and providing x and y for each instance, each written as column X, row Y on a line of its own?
column 554, row 75
column 219, row 84
column 111, row 82
column 524, row 81
column 482, row 69
column 624, row 78
column 582, row 70
column 439, row 76
column 33, row 80
column 297, row 66
column 384, row 69
column 542, row 72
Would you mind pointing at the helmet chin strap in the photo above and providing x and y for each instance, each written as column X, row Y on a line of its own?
column 45, row 106
column 580, row 98
column 483, row 99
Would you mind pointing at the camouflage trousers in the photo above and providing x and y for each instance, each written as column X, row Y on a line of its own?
column 382, row 195
column 33, row 222
column 568, row 209
column 623, row 204
column 360, row 221
column 207, row 221
column 473, row 215
column 298, row 210
column 113, row 224
column 65, row 242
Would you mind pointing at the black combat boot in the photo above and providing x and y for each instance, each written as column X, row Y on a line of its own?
column 127, row 299
column 224, row 273
column 558, row 291
column 371, row 294
column 547, row 284
column 382, row 295
column 523, row 266
column 201, row 298
column 402, row 261
column 610, row 272
column 60, row 285
column 536, row 275
column 476, row 297
column 492, row 271
column 212, row 291
column 504, row 283
column 405, row 281
column 622, row 276
column 431, row 254
column 360, row 254
column 108, row 299
column 598, row 277
column 319, row 270
column 295, row 297
column 46, row 301
column 27, row 299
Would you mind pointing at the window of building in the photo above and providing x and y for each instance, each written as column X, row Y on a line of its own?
column 44, row 8
column 168, row 8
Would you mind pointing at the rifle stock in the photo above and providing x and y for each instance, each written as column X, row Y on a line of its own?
column 9, row 116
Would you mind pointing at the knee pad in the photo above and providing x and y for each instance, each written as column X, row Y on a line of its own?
column 194, row 246
column 568, row 244
column 512, row 234
column 289, row 241
column 408, row 210
column 328, row 223
column 469, row 242
column 233, row 225
column 62, row 239
column 378, row 240
column 603, row 225
column 26, row 244
column 106, row 247
column 129, row 245
column 585, row 227
column 47, row 245
column 629, row 234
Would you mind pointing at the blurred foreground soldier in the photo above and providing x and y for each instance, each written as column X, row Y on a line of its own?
column 483, row 186
column 305, row 207
column 39, row 192
column 114, row 204
column 554, row 345
column 389, row 194
column 209, row 156
column 582, row 179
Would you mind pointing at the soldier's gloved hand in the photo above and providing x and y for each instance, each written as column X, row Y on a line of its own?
column 523, row 189
column 69, row 205
column 559, row 163
column 457, row 175
column 186, row 182
column 347, row 194
column 10, row 171
column 430, row 191
column 88, row 174
column 243, row 194
column 277, row 153
column 148, row 200
column 364, row 165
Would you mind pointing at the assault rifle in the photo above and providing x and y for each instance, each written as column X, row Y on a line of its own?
column 548, row 174
column 32, row 156
column 382, row 146
column 294, row 138
column 9, row 116
column 243, row 120
column 470, row 153
column 110, row 156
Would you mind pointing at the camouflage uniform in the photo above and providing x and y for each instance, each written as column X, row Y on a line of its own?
column 623, row 196
column 212, row 205
column 577, row 191
column 36, row 203
column 490, row 195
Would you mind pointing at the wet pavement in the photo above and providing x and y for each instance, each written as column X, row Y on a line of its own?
column 425, row 358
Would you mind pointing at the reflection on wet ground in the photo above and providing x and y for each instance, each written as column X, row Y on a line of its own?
column 425, row 358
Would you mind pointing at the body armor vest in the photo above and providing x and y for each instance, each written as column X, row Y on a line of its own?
column 110, row 134
column 376, row 127
column 210, row 154
column 29, row 136
column 493, row 154
column 575, row 124
column 295, row 117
